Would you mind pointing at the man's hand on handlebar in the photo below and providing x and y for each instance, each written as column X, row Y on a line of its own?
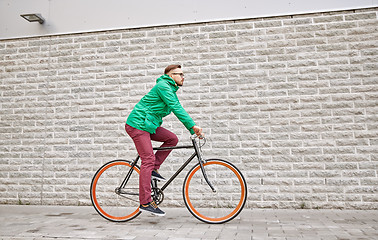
column 198, row 131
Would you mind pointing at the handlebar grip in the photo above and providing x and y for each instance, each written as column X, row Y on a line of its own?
column 194, row 136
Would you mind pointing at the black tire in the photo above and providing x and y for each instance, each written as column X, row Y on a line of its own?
column 221, row 206
column 110, row 205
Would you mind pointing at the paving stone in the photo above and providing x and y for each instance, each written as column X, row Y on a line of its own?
column 62, row 222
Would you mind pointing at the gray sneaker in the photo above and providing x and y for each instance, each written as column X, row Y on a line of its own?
column 152, row 208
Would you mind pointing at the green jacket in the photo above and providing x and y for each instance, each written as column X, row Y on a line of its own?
column 148, row 113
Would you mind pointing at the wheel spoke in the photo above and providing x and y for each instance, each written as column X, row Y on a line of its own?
column 110, row 201
column 220, row 206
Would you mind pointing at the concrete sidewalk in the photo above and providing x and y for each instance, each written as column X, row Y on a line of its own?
column 61, row 222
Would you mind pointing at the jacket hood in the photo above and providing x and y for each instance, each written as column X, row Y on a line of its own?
column 166, row 78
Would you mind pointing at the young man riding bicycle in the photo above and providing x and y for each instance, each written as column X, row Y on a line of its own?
column 143, row 125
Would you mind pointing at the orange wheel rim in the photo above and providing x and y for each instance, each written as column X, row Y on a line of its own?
column 95, row 198
column 240, row 204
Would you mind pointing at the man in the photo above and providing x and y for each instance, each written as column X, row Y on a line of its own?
column 143, row 125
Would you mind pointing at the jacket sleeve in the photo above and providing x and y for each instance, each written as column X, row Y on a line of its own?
column 169, row 97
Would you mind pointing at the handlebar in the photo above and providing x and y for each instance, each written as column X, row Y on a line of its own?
column 194, row 136
column 199, row 145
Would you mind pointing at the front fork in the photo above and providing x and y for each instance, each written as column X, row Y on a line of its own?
column 202, row 162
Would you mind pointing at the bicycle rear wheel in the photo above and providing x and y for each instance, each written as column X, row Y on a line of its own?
column 220, row 206
column 111, row 202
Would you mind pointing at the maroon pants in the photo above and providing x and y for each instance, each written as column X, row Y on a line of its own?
column 150, row 161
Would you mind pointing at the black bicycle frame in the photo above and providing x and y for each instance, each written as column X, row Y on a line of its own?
column 196, row 153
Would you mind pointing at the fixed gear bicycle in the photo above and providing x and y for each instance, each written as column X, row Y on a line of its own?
column 214, row 190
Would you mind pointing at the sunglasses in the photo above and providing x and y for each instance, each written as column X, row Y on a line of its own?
column 181, row 74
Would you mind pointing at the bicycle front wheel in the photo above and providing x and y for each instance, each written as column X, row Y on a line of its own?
column 220, row 206
column 110, row 201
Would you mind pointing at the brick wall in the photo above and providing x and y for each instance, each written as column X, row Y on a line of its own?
column 292, row 101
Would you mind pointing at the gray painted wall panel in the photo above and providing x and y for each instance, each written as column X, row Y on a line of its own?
column 75, row 16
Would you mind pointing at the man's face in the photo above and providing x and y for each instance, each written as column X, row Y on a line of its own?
column 178, row 76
